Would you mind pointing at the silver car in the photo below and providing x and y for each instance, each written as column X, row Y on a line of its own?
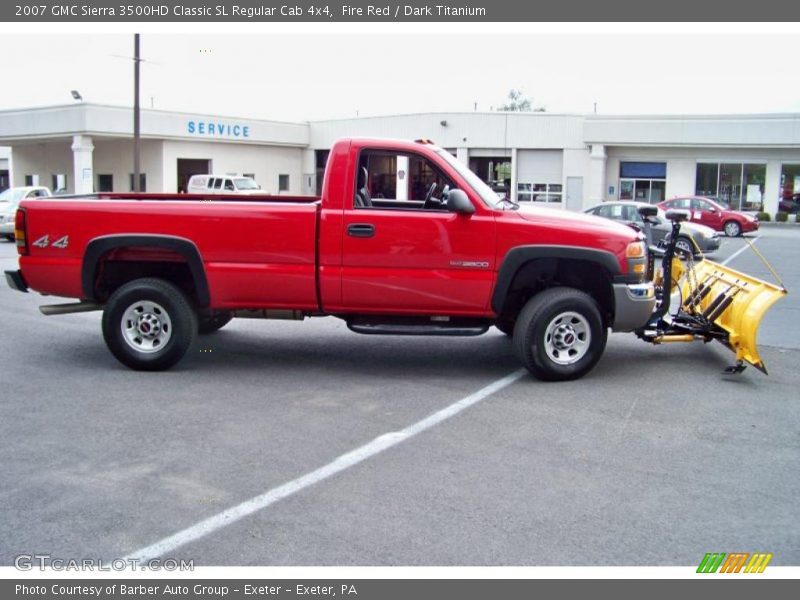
column 705, row 238
column 9, row 201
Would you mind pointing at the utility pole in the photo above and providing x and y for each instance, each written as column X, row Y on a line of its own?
column 136, row 128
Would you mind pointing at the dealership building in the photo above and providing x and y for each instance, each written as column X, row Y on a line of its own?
column 564, row 160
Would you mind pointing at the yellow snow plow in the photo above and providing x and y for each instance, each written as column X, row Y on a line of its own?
column 716, row 302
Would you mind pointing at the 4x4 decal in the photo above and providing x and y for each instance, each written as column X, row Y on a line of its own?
column 44, row 242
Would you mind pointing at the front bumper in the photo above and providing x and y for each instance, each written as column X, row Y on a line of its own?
column 16, row 281
column 709, row 245
column 749, row 226
column 634, row 304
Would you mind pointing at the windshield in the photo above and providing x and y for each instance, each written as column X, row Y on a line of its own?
column 245, row 183
column 12, row 195
column 477, row 184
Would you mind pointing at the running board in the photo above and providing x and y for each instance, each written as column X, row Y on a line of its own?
column 418, row 326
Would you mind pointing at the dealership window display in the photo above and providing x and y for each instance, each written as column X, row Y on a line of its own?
column 642, row 181
column 738, row 185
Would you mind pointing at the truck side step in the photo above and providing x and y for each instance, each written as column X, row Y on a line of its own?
column 418, row 326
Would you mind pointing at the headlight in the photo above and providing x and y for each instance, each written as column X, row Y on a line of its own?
column 635, row 250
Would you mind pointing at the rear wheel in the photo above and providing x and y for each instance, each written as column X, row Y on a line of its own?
column 559, row 335
column 732, row 229
column 148, row 324
column 210, row 324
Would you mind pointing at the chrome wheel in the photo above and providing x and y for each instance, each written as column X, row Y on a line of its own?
column 146, row 326
column 732, row 229
column 684, row 246
column 567, row 338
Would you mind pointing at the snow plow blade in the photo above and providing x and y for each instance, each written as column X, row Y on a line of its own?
column 730, row 305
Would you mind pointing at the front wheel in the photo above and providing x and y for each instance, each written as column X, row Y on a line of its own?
column 148, row 324
column 732, row 229
column 559, row 335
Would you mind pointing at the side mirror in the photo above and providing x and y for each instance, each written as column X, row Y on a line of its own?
column 458, row 202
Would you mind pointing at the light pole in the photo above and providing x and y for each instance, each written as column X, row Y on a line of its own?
column 136, row 132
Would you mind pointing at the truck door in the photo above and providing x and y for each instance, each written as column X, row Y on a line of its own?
column 403, row 252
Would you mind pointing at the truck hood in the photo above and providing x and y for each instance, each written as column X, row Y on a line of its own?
column 565, row 219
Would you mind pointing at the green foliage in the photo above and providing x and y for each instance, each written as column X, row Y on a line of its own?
column 781, row 217
column 764, row 216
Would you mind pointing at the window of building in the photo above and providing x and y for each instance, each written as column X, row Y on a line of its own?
column 539, row 192
column 283, row 183
column 642, row 181
column 142, row 182
column 105, row 183
column 790, row 188
column 738, row 185
column 59, row 183
column 31, row 180
column 250, row 175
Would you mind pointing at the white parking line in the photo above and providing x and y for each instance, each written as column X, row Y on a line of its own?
column 343, row 462
column 740, row 250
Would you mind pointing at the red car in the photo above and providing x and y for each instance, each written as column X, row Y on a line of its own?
column 712, row 214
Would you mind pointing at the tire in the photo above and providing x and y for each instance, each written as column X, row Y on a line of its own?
column 685, row 246
column 148, row 324
column 9, row 238
column 732, row 229
column 549, row 332
column 206, row 325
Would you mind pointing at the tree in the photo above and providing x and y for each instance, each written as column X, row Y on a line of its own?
column 518, row 102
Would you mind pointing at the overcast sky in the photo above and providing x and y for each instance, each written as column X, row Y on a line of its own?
column 308, row 77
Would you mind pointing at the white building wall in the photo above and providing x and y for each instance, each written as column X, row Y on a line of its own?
column 265, row 162
column 115, row 157
column 44, row 160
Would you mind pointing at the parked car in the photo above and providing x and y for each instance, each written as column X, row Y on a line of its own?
column 9, row 201
column 790, row 205
column 713, row 214
column 222, row 184
column 705, row 238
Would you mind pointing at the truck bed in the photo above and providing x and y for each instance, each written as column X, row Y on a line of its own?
column 257, row 250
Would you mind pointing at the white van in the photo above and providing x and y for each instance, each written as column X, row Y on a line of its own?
column 222, row 184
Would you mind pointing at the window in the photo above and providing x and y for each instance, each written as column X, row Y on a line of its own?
column 391, row 180
column 283, row 183
column 142, row 182
column 790, row 187
column 105, row 183
column 29, row 180
column 59, row 182
column 737, row 185
column 216, row 182
column 250, row 175
column 229, row 186
column 539, row 192
column 642, row 181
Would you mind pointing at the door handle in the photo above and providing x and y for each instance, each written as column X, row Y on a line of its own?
column 361, row 230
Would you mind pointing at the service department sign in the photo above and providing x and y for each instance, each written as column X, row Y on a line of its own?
column 217, row 129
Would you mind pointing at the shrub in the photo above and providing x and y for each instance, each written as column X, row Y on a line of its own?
column 764, row 216
column 781, row 217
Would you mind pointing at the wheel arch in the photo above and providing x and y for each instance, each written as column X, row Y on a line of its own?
column 99, row 249
column 527, row 270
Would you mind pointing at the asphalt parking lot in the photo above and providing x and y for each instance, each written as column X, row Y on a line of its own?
column 655, row 458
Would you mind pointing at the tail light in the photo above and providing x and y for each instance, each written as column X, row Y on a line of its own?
column 21, row 233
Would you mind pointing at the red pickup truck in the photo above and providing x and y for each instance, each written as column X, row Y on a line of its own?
column 404, row 239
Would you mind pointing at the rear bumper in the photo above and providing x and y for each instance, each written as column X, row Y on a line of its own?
column 16, row 281
column 634, row 304
column 710, row 244
column 7, row 228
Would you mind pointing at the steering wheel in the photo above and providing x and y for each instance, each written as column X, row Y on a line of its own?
column 430, row 201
